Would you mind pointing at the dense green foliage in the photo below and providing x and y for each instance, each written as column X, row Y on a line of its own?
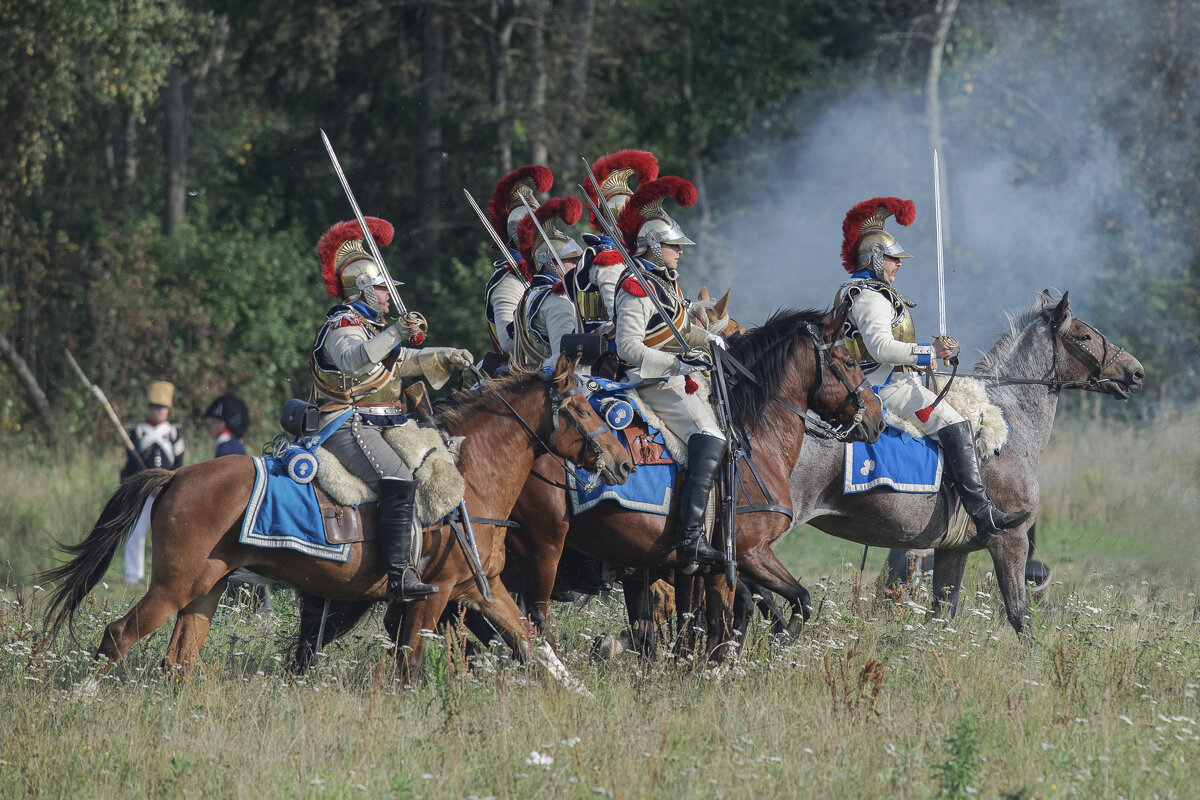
column 423, row 98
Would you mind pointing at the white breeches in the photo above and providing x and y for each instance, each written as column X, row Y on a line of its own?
column 905, row 395
column 682, row 413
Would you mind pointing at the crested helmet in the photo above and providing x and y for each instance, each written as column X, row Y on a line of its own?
column 534, row 249
column 865, row 240
column 346, row 267
column 505, row 208
column 646, row 226
column 613, row 173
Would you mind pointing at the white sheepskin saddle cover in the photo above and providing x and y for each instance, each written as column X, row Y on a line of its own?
column 968, row 397
column 440, row 487
column 675, row 446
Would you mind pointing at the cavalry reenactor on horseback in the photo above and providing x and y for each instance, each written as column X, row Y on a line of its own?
column 673, row 384
column 357, row 361
column 505, row 288
column 545, row 314
column 881, row 334
column 594, row 283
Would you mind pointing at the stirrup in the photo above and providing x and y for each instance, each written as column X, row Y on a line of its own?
column 408, row 587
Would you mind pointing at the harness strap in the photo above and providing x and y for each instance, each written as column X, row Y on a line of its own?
column 502, row 523
column 757, row 507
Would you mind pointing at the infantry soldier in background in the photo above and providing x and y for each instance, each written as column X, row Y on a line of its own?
column 357, row 361
column 545, row 314
column 160, row 446
column 674, row 388
column 228, row 418
column 881, row 334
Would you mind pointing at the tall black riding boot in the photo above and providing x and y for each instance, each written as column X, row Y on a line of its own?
column 705, row 454
column 959, row 447
column 395, row 539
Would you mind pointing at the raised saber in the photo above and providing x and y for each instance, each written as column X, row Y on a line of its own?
column 512, row 262
column 373, row 248
column 941, row 264
column 610, row 228
column 112, row 414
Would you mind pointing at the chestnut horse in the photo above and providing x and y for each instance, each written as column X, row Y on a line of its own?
column 197, row 517
column 1046, row 349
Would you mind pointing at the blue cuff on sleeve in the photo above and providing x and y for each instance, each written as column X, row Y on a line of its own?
column 924, row 354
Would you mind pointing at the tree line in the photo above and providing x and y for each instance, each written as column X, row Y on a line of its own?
column 162, row 184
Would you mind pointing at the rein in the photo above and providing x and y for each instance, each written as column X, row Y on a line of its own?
column 556, row 403
column 816, row 423
column 1095, row 363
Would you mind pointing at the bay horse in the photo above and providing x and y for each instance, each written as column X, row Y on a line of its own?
column 196, row 519
column 1045, row 350
column 798, row 364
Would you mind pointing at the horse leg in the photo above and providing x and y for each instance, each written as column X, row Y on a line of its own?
column 191, row 629
column 422, row 615
column 948, row 568
column 641, row 615
column 765, row 601
column 718, row 603
column 766, row 569
column 147, row 615
column 343, row 616
column 1009, row 550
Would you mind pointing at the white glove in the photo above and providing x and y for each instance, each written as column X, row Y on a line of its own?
column 716, row 341
column 457, row 357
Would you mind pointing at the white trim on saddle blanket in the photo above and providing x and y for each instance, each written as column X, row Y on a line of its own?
column 440, row 487
column 282, row 513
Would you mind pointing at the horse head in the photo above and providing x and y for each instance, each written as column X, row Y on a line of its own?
column 587, row 441
column 1091, row 359
column 840, row 394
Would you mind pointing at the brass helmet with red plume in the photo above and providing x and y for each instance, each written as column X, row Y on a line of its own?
column 865, row 240
column 346, row 267
column 533, row 248
column 505, row 208
column 646, row 227
column 613, row 172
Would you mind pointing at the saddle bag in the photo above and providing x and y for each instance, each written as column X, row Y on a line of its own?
column 299, row 418
column 492, row 363
column 587, row 347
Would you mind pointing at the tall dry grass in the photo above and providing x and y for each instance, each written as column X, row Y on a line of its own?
column 870, row 700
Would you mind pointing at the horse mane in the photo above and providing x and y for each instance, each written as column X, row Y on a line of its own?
column 996, row 359
column 767, row 351
column 464, row 404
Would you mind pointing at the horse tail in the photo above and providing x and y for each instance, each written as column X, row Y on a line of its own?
column 79, row 576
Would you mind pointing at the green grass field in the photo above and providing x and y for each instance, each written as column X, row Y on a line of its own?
column 871, row 700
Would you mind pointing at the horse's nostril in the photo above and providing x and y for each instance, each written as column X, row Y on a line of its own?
column 625, row 468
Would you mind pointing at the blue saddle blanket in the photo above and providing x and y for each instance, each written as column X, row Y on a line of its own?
column 284, row 513
column 648, row 488
column 903, row 462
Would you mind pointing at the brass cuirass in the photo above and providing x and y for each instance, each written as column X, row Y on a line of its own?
column 903, row 327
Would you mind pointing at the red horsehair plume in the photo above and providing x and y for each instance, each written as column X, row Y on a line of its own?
column 643, row 163
column 568, row 209
column 498, row 207
column 904, row 211
column 381, row 231
column 630, row 220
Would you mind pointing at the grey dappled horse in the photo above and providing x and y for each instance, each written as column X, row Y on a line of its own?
column 1046, row 349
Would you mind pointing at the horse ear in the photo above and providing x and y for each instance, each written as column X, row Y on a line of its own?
column 722, row 306
column 835, row 321
column 564, row 372
column 703, row 293
column 1062, row 311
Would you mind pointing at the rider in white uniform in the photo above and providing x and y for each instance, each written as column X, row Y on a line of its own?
column 545, row 314
column 505, row 288
column 357, row 361
column 674, row 387
column 881, row 334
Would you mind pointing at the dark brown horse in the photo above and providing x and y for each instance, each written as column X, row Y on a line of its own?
column 799, row 363
column 197, row 516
